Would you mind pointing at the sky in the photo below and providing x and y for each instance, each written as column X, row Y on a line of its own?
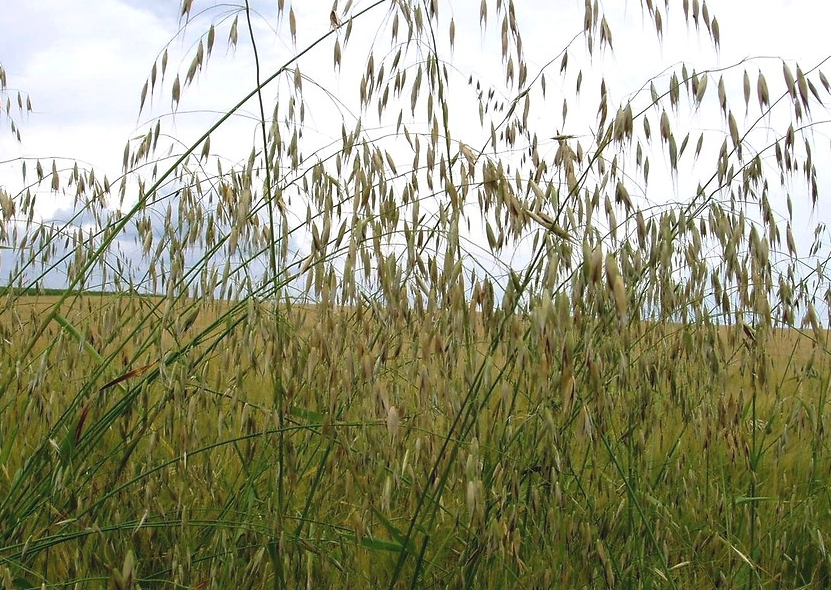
column 83, row 64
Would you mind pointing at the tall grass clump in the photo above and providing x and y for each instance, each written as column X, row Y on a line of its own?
column 409, row 338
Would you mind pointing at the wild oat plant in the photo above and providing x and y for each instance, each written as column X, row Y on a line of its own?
column 431, row 345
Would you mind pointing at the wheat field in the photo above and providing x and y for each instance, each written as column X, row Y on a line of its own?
column 452, row 440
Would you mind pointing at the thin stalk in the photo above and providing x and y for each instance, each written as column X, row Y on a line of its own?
column 280, row 579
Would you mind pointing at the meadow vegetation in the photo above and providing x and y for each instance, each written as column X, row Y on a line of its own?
column 637, row 402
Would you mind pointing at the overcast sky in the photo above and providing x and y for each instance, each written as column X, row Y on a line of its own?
column 83, row 62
